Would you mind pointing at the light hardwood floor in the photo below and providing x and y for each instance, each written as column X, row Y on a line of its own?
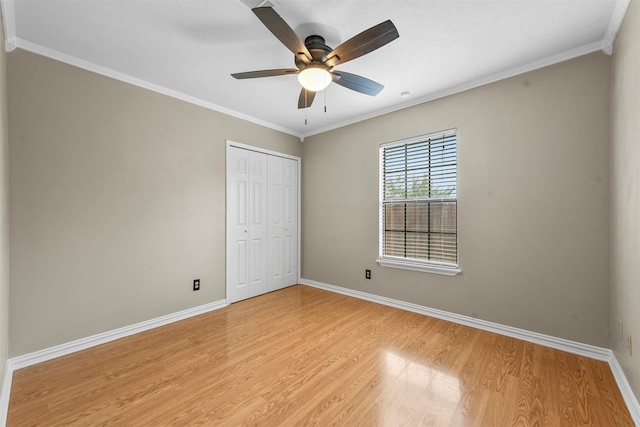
column 304, row 356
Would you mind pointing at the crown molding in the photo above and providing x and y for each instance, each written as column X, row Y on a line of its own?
column 80, row 63
column 619, row 11
column 541, row 63
column 8, row 18
column 108, row 72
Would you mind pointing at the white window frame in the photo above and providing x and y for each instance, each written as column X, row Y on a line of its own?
column 410, row 263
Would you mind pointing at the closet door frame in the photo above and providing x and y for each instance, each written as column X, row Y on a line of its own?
column 228, row 224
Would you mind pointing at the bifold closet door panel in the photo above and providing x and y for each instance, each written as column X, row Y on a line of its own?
column 258, row 223
column 247, row 249
column 291, row 215
column 276, row 223
column 237, row 224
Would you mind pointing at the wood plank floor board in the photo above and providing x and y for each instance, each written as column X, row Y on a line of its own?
column 607, row 395
column 474, row 398
column 305, row 356
column 415, row 344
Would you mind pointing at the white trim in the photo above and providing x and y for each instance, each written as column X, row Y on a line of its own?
column 68, row 59
column 9, row 20
column 261, row 150
column 5, row 393
column 557, row 343
column 424, row 266
column 88, row 342
column 586, row 350
column 619, row 11
column 99, row 69
column 421, row 138
column 231, row 143
column 418, row 266
column 541, row 63
column 105, row 337
column 625, row 388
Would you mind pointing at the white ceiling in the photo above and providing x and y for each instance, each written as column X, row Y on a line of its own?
column 189, row 48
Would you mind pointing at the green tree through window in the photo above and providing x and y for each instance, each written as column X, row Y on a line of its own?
column 419, row 200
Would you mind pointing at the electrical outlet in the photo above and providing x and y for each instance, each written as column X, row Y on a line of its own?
column 367, row 274
column 196, row 285
column 629, row 347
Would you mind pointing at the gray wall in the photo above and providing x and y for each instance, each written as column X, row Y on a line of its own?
column 625, row 194
column 117, row 201
column 4, row 211
column 533, row 189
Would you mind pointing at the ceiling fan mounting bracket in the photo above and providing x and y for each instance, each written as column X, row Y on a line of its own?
column 317, row 48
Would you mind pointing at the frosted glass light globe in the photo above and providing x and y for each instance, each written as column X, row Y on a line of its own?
column 314, row 78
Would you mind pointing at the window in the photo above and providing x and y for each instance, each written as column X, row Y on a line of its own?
column 418, row 204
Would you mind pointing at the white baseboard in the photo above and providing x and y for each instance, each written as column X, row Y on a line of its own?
column 586, row 350
column 569, row 346
column 625, row 388
column 105, row 337
column 5, row 393
column 593, row 352
column 29, row 359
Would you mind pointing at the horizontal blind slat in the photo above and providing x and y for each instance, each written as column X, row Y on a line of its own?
column 419, row 207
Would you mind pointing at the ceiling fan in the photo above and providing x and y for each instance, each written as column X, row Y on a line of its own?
column 315, row 60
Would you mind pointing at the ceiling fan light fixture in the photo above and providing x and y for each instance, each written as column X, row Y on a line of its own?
column 314, row 59
column 314, row 78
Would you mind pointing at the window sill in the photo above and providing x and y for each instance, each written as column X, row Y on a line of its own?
column 417, row 266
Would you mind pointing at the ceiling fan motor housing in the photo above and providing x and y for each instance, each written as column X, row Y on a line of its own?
column 318, row 50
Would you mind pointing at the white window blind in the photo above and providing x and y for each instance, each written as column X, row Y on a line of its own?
column 418, row 209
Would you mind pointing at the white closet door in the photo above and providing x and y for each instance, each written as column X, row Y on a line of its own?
column 262, row 223
column 290, row 205
column 237, row 225
column 276, row 223
column 246, row 224
column 258, row 224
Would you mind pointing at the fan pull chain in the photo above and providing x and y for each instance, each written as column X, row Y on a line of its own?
column 306, row 105
column 325, row 101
